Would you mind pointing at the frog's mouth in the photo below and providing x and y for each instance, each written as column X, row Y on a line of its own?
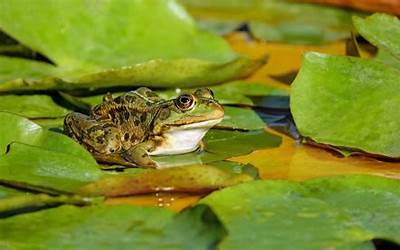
column 203, row 124
column 184, row 138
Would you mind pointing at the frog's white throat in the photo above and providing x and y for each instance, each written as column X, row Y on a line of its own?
column 184, row 139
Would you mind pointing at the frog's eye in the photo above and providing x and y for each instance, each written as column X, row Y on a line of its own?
column 184, row 102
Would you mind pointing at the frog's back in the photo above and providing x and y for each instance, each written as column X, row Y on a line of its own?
column 131, row 113
column 132, row 103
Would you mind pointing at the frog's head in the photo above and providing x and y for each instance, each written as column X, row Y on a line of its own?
column 184, row 120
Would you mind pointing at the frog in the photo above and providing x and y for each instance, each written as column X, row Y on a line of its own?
column 131, row 128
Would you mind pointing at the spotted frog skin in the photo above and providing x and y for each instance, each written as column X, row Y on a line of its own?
column 128, row 129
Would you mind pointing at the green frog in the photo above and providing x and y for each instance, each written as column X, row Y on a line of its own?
column 130, row 128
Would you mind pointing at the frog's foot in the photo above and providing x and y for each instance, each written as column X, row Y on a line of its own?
column 201, row 147
column 114, row 159
column 139, row 155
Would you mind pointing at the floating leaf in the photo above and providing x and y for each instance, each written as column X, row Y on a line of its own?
column 161, row 49
column 338, row 213
column 278, row 20
column 189, row 179
column 14, row 128
column 31, row 106
column 241, row 118
column 372, row 202
column 364, row 93
column 381, row 30
column 6, row 192
column 387, row 58
column 17, row 68
column 41, row 159
column 387, row 42
column 31, row 202
column 40, row 169
column 125, row 226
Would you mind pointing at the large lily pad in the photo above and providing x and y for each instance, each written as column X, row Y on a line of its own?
column 190, row 179
column 161, row 46
column 105, row 227
column 32, row 106
column 41, row 159
column 348, row 102
column 40, row 169
column 337, row 213
column 381, row 30
column 14, row 128
column 31, row 202
column 387, row 42
column 277, row 20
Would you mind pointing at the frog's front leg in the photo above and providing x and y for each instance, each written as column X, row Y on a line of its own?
column 139, row 154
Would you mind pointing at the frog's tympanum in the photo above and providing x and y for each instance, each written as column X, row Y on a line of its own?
column 130, row 128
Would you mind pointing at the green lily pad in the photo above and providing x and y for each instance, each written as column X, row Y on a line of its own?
column 40, row 169
column 124, row 226
column 373, row 202
column 381, row 30
column 335, row 213
column 277, row 20
column 348, row 102
column 371, row 28
column 42, row 160
column 241, row 118
column 14, row 128
column 163, row 48
column 31, row 202
column 387, row 58
column 32, row 106
column 189, row 179
column 6, row 192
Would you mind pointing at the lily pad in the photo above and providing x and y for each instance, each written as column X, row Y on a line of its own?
column 31, row 202
column 44, row 170
column 189, row 179
column 381, row 30
column 161, row 49
column 338, row 213
column 124, row 226
column 6, row 192
column 387, row 42
column 278, row 20
column 32, row 106
column 41, row 159
column 15, row 128
column 348, row 102
column 241, row 118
